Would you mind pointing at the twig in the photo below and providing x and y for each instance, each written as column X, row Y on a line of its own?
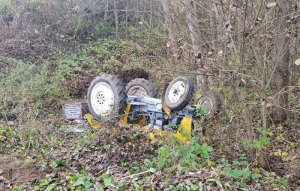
column 133, row 175
column 254, row 32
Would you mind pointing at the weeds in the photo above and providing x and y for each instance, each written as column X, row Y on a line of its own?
column 261, row 142
column 189, row 156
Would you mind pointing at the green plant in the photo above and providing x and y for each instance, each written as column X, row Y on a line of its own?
column 264, row 132
column 240, row 172
column 48, row 184
column 200, row 111
column 186, row 156
column 261, row 142
column 7, row 132
column 106, row 178
column 58, row 163
column 258, row 144
column 279, row 181
column 79, row 182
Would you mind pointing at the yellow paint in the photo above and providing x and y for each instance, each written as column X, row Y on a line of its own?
column 124, row 119
column 184, row 133
column 167, row 110
column 151, row 136
column 93, row 123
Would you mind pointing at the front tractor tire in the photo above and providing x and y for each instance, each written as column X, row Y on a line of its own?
column 106, row 97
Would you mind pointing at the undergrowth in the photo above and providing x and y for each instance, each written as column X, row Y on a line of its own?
column 173, row 166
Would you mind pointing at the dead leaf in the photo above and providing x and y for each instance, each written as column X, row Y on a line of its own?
column 15, row 176
column 220, row 53
column 270, row 5
column 297, row 62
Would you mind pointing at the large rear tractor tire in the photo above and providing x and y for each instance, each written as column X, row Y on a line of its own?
column 141, row 87
column 106, row 97
column 179, row 93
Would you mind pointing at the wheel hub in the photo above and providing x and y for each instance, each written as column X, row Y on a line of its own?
column 102, row 99
column 138, row 91
column 206, row 105
column 176, row 91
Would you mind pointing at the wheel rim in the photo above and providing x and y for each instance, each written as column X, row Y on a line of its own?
column 206, row 104
column 176, row 92
column 102, row 99
column 138, row 91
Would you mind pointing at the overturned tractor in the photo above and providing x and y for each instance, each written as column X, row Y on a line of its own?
column 138, row 103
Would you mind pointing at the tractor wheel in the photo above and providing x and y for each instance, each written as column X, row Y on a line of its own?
column 210, row 104
column 106, row 96
column 141, row 87
column 179, row 93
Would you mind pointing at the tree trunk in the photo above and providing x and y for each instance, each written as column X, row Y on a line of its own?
column 281, row 77
column 197, row 40
column 170, row 27
column 106, row 11
column 192, row 21
column 116, row 18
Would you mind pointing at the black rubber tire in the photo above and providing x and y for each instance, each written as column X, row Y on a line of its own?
column 145, row 84
column 119, row 91
column 186, row 97
column 215, row 103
